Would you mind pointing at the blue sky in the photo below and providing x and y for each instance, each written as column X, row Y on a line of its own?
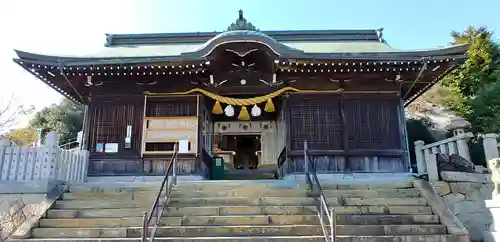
column 407, row 24
column 78, row 27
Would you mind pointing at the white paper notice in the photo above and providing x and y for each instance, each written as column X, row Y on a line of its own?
column 183, row 146
column 111, row 147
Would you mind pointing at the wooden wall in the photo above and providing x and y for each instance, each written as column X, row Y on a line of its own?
column 204, row 161
column 108, row 120
column 346, row 133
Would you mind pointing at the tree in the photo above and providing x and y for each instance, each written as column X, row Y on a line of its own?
column 22, row 136
column 472, row 89
column 66, row 118
column 11, row 113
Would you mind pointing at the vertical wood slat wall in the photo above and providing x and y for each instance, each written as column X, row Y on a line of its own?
column 371, row 123
column 108, row 124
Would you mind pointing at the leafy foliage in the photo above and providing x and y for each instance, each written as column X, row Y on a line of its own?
column 472, row 89
column 22, row 136
column 65, row 118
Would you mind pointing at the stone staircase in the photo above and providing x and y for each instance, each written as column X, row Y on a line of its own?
column 244, row 211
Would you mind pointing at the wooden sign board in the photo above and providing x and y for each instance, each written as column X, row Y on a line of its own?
column 170, row 130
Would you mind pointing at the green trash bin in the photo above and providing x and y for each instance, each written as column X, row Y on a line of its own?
column 218, row 168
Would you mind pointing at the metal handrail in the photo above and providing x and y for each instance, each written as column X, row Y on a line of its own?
column 321, row 204
column 146, row 221
column 282, row 159
column 68, row 143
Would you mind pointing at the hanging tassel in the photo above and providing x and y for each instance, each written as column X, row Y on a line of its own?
column 244, row 114
column 217, row 109
column 269, row 106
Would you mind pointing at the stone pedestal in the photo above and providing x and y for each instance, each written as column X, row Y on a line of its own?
column 493, row 235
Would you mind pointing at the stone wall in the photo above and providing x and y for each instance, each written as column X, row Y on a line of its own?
column 14, row 209
column 20, row 211
column 465, row 194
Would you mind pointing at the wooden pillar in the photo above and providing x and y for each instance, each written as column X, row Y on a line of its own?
column 201, row 116
column 403, row 133
column 288, row 143
column 85, row 129
column 345, row 132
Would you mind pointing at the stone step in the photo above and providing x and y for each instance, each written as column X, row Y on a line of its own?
column 355, row 201
column 245, row 185
column 239, row 220
column 400, row 184
column 240, row 230
column 94, row 204
column 237, row 210
column 316, row 238
column 403, row 183
column 280, row 201
column 237, row 201
column 130, row 195
column 242, row 201
column 388, row 193
column 200, row 186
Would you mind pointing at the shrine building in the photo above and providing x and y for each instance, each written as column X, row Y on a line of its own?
column 249, row 96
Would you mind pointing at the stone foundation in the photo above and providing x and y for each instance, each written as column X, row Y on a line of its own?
column 465, row 195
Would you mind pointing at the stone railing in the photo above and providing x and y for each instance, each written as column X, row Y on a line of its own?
column 46, row 162
column 490, row 145
column 426, row 154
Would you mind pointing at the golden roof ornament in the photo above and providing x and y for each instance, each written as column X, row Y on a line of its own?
column 241, row 24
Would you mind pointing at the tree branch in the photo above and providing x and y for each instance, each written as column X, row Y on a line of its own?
column 10, row 114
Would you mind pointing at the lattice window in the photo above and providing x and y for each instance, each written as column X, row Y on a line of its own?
column 109, row 124
column 172, row 107
column 372, row 124
column 317, row 120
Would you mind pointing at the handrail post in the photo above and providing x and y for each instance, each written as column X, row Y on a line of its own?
column 333, row 224
column 306, row 164
column 160, row 204
column 144, row 227
column 174, row 165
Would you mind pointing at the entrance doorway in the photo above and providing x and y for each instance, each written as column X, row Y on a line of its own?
column 246, row 150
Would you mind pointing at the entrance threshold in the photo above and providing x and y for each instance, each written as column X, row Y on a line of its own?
column 236, row 174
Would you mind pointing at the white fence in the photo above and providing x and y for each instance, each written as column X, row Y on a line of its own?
column 426, row 158
column 426, row 154
column 47, row 162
